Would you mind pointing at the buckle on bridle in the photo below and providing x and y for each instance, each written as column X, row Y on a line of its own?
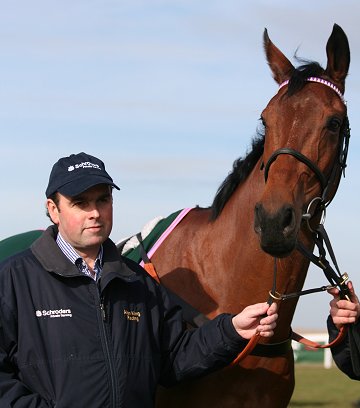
column 309, row 214
column 345, row 278
column 276, row 295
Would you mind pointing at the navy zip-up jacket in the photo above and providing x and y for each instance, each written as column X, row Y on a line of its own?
column 67, row 341
column 346, row 354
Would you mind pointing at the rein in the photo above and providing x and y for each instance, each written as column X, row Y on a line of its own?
column 335, row 278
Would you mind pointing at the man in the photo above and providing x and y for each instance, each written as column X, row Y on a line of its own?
column 81, row 326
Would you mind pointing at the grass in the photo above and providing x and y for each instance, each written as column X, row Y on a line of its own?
column 317, row 387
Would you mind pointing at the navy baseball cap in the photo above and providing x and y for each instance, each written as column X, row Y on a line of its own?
column 73, row 175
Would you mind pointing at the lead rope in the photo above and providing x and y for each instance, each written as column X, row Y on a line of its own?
column 256, row 337
column 275, row 296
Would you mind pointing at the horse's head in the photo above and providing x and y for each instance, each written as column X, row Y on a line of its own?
column 304, row 153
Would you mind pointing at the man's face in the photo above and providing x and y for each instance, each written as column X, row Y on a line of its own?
column 85, row 221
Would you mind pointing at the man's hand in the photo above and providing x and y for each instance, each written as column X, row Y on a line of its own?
column 259, row 318
column 343, row 311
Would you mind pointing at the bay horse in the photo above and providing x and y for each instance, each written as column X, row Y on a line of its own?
column 221, row 258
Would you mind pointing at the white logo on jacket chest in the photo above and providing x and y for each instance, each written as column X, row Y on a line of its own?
column 54, row 313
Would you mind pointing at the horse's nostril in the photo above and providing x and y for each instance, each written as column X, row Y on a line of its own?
column 288, row 221
column 257, row 223
column 287, row 217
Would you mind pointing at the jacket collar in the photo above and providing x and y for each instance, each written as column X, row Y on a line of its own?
column 50, row 256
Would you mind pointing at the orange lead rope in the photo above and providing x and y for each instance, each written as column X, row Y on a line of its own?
column 312, row 344
column 247, row 350
column 256, row 337
column 294, row 336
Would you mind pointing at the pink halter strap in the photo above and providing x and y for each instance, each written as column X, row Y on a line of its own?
column 320, row 81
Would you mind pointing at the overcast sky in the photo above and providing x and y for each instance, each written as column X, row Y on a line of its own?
column 168, row 94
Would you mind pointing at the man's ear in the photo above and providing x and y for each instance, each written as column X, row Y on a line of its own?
column 53, row 211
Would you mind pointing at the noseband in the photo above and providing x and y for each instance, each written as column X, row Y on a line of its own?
column 299, row 156
column 343, row 147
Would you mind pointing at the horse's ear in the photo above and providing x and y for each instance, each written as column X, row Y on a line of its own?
column 280, row 66
column 338, row 54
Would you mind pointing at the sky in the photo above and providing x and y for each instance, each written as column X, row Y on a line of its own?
column 168, row 94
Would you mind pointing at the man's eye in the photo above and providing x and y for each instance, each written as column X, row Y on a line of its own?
column 105, row 199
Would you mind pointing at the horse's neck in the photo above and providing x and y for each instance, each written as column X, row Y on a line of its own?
column 219, row 266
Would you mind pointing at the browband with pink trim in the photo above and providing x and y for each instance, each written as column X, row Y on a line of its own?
column 321, row 81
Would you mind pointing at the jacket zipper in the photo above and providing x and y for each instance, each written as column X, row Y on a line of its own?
column 108, row 357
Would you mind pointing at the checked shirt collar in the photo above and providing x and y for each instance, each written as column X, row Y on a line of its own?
column 74, row 258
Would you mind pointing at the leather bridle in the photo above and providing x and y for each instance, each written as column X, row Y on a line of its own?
column 321, row 240
column 320, row 236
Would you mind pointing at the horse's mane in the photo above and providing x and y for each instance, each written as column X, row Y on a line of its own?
column 242, row 167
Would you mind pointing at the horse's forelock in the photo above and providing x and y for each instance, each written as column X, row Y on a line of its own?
column 299, row 76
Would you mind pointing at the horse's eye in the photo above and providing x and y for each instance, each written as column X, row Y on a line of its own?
column 261, row 128
column 334, row 124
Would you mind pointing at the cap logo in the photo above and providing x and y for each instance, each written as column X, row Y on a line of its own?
column 84, row 165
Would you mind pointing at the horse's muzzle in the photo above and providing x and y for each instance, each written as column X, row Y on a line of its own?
column 277, row 232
